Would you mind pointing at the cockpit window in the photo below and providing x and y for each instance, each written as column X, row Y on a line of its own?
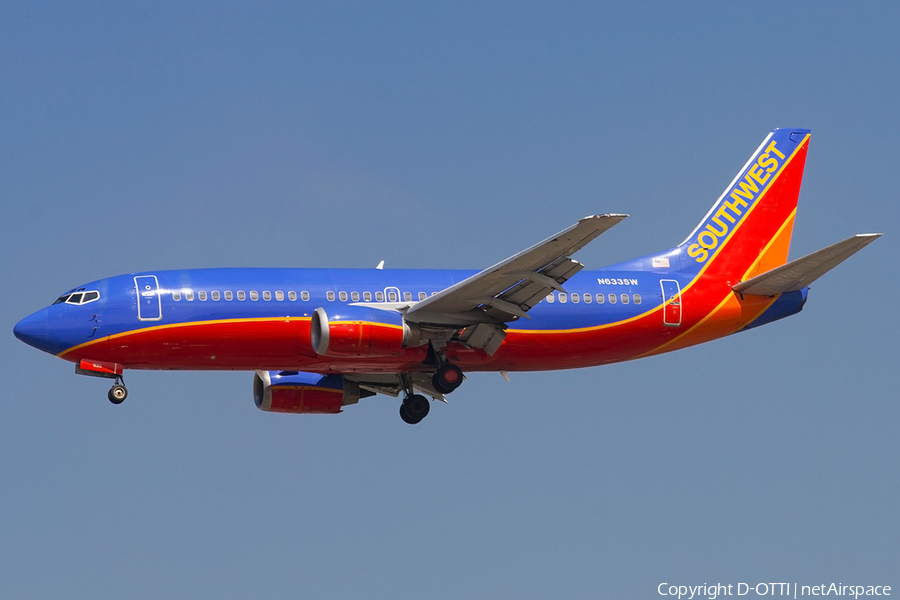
column 78, row 298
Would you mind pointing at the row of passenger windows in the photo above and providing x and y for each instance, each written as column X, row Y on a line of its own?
column 241, row 295
column 588, row 298
column 392, row 296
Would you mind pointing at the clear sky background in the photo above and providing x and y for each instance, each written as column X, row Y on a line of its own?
column 140, row 136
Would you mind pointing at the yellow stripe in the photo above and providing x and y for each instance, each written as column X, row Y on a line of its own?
column 211, row 322
column 173, row 325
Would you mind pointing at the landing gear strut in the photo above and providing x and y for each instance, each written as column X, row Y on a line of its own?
column 415, row 407
column 117, row 393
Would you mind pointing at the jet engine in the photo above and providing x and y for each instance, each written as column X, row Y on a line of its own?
column 298, row 392
column 358, row 331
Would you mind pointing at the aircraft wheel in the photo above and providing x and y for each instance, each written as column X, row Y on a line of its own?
column 447, row 378
column 117, row 394
column 414, row 409
column 406, row 418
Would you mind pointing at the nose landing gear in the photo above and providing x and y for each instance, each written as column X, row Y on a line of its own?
column 117, row 393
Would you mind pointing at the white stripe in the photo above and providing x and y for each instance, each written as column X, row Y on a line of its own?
column 730, row 185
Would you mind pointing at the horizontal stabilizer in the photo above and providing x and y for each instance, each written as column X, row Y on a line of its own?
column 800, row 273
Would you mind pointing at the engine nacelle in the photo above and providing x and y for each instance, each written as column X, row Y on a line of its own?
column 360, row 331
column 298, row 392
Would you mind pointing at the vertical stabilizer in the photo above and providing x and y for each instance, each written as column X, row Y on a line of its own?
column 748, row 230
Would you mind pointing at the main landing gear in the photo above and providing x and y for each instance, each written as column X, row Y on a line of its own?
column 447, row 377
column 415, row 407
column 117, row 393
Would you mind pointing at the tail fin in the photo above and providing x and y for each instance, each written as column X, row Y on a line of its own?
column 748, row 230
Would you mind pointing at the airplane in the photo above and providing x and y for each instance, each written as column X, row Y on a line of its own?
column 319, row 340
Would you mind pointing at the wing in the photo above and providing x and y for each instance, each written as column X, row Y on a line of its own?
column 509, row 289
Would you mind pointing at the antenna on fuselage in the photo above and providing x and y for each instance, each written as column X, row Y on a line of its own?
column 380, row 266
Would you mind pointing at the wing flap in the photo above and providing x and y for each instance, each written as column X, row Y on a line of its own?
column 800, row 273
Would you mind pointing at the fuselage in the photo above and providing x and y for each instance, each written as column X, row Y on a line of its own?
column 259, row 319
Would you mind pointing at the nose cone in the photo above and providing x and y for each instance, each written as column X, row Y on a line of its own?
column 34, row 329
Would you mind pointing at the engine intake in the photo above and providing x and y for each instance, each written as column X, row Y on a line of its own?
column 298, row 392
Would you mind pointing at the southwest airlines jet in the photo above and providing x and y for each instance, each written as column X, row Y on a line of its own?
column 321, row 339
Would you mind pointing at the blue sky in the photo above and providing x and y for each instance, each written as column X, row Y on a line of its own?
column 157, row 136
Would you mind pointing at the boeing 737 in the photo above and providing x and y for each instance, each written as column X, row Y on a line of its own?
column 320, row 339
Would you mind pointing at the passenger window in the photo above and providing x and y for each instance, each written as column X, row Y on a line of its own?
column 601, row 298
column 215, row 295
column 422, row 296
column 367, row 296
column 189, row 295
column 563, row 298
column 637, row 298
column 392, row 296
column 292, row 296
column 575, row 298
column 612, row 298
column 176, row 296
column 254, row 295
column 267, row 295
column 625, row 299
column 407, row 296
column 279, row 295
column 550, row 298
column 379, row 296
column 588, row 298
column 304, row 296
column 228, row 295
column 241, row 295
column 343, row 296
column 74, row 299
column 330, row 296
column 202, row 295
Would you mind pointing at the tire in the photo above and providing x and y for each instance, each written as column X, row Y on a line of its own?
column 447, row 378
column 406, row 418
column 416, row 407
column 117, row 394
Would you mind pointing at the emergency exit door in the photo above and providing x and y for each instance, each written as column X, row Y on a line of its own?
column 671, row 292
column 149, row 304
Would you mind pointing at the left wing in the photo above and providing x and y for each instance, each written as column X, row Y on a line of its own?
column 510, row 288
